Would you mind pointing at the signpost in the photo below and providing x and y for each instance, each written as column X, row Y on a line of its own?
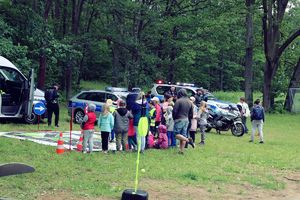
column 39, row 109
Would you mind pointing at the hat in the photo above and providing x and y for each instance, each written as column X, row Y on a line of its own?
column 91, row 107
column 155, row 99
column 192, row 98
column 122, row 103
column 109, row 102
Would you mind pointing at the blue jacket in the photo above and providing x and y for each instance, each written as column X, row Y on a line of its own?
column 137, row 111
column 106, row 122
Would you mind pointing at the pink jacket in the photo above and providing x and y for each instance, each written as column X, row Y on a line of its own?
column 163, row 137
column 150, row 140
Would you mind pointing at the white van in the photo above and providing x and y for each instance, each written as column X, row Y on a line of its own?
column 17, row 95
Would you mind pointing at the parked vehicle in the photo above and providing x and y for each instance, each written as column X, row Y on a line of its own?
column 159, row 89
column 17, row 93
column 78, row 103
column 223, row 119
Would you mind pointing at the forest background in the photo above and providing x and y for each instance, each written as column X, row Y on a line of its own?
column 221, row 45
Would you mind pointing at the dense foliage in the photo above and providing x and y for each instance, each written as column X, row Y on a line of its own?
column 133, row 43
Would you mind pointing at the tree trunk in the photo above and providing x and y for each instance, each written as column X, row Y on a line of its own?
column 68, row 78
column 294, row 83
column 221, row 72
column 249, row 53
column 267, row 86
column 43, row 59
column 173, row 56
column 115, row 64
column 65, row 14
column 42, row 72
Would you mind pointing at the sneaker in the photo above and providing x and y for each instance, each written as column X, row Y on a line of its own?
column 180, row 152
column 261, row 142
column 191, row 142
column 250, row 140
column 202, row 143
column 84, row 152
column 57, row 125
column 105, row 152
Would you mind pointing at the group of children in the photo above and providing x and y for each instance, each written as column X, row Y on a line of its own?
column 124, row 124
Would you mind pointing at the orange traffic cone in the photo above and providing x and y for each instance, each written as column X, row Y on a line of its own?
column 60, row 145
column 79, row 145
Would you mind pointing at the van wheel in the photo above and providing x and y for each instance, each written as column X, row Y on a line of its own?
column 31, row 119
column 78, row 116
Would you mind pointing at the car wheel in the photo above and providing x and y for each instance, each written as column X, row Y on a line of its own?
column 31, row 119
column 78, row 116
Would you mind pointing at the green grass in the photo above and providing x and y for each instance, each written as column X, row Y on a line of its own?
column 92, row 85
column 234, row 97
column 225, row 160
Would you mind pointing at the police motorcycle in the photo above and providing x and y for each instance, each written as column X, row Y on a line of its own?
column 225, row 118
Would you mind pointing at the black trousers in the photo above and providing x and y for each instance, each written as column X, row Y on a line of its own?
column 53, row 108
column 104, row 138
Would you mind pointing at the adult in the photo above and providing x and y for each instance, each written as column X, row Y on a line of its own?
column 121, row 116
column 88, row 126
column 198, row 96
column 257, row 119
column 51, row 97
column 172, row 92
column 182, row 112
column 245, row 112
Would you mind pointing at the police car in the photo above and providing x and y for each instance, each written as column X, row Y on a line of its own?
column 78, row 103
column 160, row 88
column 17, row 93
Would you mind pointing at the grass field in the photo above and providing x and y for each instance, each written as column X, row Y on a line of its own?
column 225, row 161
column 226, row 168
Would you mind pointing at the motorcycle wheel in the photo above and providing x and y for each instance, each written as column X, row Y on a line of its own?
column 238, row 129
column 208, row 129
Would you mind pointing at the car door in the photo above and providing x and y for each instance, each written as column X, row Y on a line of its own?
column 30, row 93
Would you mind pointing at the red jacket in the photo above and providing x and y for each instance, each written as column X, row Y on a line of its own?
column 90, row 123
column 158, row 112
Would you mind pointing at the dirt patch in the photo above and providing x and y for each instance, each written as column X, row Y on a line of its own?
column 171, row 190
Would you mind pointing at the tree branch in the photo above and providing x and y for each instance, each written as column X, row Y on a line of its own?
column 288, row 42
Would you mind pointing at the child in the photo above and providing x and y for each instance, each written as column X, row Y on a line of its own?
column 152, row 115
column 203, row 115
column 121, row 116
column 193, row 122
column 112, row 109
column 162, row 142
column 170, row 125
column 131, row 136
column 88, row 125
column 150, row 140
column 106, row 124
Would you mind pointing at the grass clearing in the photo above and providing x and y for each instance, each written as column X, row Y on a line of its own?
column 225, row 160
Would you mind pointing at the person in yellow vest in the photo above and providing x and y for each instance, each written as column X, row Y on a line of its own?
column 112, row 109
column 152, row 114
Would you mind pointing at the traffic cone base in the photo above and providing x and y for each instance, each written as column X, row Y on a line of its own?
column 79, row 145
column 60, row 145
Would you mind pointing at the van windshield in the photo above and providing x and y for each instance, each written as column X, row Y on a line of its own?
column 11, row 75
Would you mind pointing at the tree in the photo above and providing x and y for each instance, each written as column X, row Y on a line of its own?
column 272, row 19
column 294, row 83
column 249, row 52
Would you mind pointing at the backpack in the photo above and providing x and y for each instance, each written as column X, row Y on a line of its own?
column 257, row 113
column 49, row 95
